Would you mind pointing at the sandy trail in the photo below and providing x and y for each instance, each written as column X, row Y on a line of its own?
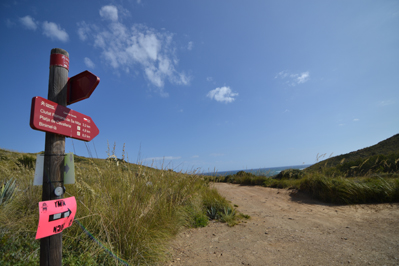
column 292, row 230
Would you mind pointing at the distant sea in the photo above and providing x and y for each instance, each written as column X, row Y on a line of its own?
column 261, row 171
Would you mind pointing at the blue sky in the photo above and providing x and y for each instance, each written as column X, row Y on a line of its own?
column 207, row 85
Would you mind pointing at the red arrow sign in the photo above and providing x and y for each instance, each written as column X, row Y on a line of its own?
column 51, row 117
column 81, row 86
column 55, row 216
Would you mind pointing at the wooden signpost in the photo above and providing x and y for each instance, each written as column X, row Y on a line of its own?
column 51, row 115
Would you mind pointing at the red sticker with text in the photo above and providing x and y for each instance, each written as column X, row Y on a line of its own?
column 55, row 216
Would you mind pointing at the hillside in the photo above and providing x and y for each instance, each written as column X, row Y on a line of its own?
column 386, row 147
column 126, row 213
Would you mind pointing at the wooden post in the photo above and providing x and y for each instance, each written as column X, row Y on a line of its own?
column 51, row 247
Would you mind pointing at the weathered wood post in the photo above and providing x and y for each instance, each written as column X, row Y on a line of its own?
column 51, row 247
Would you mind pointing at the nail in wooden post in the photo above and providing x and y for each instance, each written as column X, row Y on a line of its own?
column 51, row 247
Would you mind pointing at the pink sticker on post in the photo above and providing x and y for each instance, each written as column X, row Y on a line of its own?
column 55, row 216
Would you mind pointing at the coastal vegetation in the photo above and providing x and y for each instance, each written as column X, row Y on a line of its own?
column 383, row 149
column 369, row 175
column 126, row 213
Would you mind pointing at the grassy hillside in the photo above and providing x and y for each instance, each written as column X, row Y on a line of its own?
column 129, row 210
column 384, row 149
column 369, row 175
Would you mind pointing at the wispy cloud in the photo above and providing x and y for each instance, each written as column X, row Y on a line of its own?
column 195, row 156
column 385, row 103
column 28, row 22
column 128, row 47
column 83, row 30
column 301, row 78
column 282, row 75
column 165, row 158
column 89, row 63
column 293, row 79
column 9, row 23
column 54, row 32
column 190, row 46
column 356, row 120
column 50, row 29
column 209, row 79
column 223, row 94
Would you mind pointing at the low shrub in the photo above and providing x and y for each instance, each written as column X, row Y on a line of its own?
column 27, row 161
column 351, row 190
column 290, row 174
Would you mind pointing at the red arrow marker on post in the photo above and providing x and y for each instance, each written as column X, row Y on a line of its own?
column 81, row 86
column 51, row 117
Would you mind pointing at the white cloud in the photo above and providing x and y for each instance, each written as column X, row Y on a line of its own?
column 282, row 74
column 89, row 63
column 356, row 120
column 28, row 22
column 109, row 12
column 385, row 103
column 209, row 79
column 293, row 79
column 53, row 31
column 165, row 158
column 138, row 46
column 190, row 46
column 83, row 30
column 216, row 154
column 303, row 77
column 223, row 94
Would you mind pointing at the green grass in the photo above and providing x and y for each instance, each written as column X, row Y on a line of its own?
column 7, row 191
column 370, row 180
column 135, row 211
column 385, row 148
column 341, row 190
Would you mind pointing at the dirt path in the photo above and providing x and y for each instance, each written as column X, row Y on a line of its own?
column 285, row 230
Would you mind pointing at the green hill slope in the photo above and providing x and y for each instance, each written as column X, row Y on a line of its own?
column 124, row 210
column 385, row 151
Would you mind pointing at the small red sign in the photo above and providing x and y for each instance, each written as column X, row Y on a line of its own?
column 51, row 117
column 81, row 86
column 55, row 216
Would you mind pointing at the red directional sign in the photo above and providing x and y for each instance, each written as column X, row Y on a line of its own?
column 51, row 117
column 55, row 216
column 81, row 86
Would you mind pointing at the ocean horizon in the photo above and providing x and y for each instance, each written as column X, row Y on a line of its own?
column 271, row 171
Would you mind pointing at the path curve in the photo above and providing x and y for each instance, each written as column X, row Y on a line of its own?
column 292, row 230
